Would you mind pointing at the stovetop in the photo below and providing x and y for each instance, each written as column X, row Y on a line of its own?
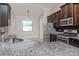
column 68, row 35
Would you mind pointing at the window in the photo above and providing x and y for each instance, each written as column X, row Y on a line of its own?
column 27, row 25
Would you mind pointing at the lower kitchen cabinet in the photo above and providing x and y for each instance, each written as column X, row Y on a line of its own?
column 74, row 42
column 52, row 37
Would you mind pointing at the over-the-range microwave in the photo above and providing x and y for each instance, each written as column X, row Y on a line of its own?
column 66, row 22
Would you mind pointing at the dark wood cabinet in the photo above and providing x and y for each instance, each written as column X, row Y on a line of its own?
column 69, row 10
column 66, row 11
column 50, row 19
column 74, row 42
column 62, row 12
column 76, row 14
column 0, row 15
column 56, row 19
column 52, row 37
column 4, row 14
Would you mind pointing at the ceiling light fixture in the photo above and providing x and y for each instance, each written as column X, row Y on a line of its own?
column 27, row 14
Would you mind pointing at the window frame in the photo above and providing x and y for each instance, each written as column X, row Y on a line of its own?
column 23, row 25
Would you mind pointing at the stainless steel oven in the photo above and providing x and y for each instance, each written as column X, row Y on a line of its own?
column 66, row 36
column 63, row 37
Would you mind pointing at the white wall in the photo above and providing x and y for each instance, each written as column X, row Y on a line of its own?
column 16, row 27
column 33, row 34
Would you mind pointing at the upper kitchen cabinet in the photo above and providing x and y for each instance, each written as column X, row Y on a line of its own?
column 4, row 14
column 66, row 11
column 49, row 19
column 62, row 12
column 56, row 19
column 69, row 15
column 76, row 14
column 69, row 10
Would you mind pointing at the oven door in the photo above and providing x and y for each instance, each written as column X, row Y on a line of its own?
column 64, row 38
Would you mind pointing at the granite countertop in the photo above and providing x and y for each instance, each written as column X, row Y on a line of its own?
column 34, row 48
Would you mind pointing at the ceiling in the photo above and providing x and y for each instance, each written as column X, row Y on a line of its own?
column 35, row 9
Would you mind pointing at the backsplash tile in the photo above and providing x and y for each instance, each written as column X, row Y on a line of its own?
column 60, row 30
column 70, row 31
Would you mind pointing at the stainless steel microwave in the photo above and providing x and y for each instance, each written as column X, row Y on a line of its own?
column 66, row 22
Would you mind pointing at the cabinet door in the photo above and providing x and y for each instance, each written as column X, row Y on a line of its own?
column 52, row 37
column 0, row 15
column 4, row 15
column 69, row 10
column 49, row 18
column 52, row 18
column 57, row 19
column 62, row 13
column 54, row 15
column 76, row 14
column 66, row 11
